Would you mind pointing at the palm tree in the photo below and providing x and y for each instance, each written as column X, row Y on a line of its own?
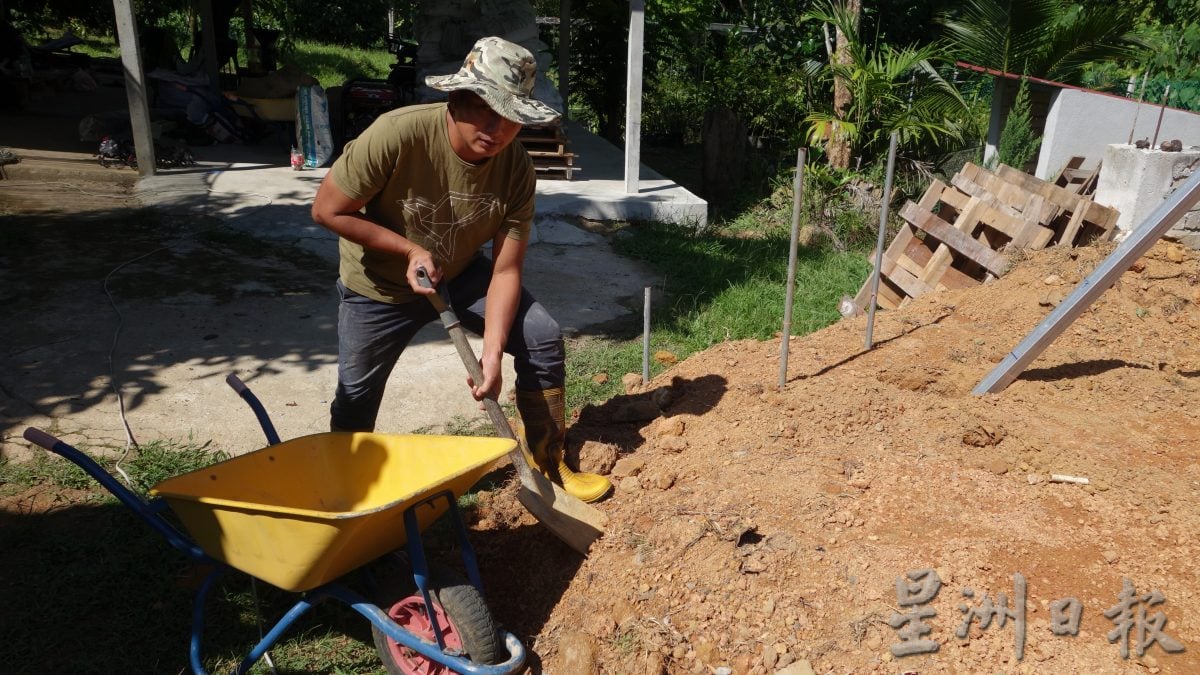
column 890, row 89
column 1050, row 39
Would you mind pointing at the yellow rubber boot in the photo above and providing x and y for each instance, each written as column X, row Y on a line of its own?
column 542, row 429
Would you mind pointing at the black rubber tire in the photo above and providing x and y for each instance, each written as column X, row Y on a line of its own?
column 464, row 607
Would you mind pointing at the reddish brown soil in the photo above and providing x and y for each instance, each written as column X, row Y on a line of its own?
column 767, row 528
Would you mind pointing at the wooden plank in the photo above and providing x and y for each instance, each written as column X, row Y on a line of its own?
column 942, row 257
column 955, row 279
column 974, row 181
column 549, row 156
column 1020, row 229
column 956, row 238
column 907, row 281
column 1072, row 228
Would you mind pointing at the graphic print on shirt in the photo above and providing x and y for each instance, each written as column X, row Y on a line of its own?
column 465, row 210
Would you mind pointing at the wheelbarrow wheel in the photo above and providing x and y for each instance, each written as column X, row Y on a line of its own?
column 462, row 616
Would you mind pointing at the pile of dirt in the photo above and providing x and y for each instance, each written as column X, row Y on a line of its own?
column 761, row 530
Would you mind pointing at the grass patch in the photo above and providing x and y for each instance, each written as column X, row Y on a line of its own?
column 146, row 465
column 717, row 286
column 332, row 65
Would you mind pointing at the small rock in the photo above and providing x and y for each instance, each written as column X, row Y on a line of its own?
column 1035, row 479
column 1175, row 253
column 1110, row 556
column 654, row 664
column 722, row 670
column 1173, row 145
column 665, row 357
column 597, row 457
column 628, row 466
column 578, row 652
column 671, row 426
column 631, row 381
column 1052, row 280
column 769, row 657
column 672, row 444
column 663, row 480
column 706, row 653
column 874, row 643
column 1141, row 144
column 996, row 465
column 601, row 378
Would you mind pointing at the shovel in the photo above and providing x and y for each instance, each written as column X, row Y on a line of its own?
column 568, row 518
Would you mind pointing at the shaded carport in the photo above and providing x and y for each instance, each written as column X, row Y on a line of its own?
column 139, row 107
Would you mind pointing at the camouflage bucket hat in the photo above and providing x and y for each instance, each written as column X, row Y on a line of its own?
column 502, row 74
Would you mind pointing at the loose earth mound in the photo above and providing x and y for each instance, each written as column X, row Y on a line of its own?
column 762, row 529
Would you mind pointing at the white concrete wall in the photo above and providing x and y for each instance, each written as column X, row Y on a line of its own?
column 1084, row 123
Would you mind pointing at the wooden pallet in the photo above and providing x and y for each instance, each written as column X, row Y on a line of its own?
column 953, row 236
column 548, row 147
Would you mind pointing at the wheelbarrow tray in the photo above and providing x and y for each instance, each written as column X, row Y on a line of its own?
column 306, row 511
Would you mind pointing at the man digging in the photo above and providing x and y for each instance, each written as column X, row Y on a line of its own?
column 427, row 186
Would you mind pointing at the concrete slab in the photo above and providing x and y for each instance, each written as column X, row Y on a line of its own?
column 173, row 355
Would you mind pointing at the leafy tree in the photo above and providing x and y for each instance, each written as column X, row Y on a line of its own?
column 1018, row 142
column 892, row 89
column 1052, row 39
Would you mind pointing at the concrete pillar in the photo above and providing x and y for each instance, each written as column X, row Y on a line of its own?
column 135, row 86
column 633, row 96
column 1136, row 182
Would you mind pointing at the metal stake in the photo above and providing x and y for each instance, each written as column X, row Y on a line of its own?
column 883, row 217
column 646, row 337
column 1138, row 109
column 797, row 201
column 1162, row 109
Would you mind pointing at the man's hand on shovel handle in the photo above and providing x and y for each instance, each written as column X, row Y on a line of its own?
column 492, row 379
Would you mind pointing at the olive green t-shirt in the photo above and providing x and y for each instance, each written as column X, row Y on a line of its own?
column 416, row 185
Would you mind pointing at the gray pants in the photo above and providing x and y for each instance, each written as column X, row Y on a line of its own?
column 373, row 334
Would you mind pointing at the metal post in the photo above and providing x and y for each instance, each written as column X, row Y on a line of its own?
column 1101, row 279
column 789, row 294
column 883, row 217
column 1137, row 110
column 1161, row 110
column 646, row 337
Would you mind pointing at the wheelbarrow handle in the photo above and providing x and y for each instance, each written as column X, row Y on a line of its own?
column 123, row 494
column 260, row 412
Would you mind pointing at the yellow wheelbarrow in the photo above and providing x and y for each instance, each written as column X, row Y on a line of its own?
column 301, row 514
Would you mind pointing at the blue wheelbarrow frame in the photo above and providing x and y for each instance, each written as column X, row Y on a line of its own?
column 152, row 511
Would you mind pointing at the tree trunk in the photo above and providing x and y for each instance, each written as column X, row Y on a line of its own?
column 837, row 148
